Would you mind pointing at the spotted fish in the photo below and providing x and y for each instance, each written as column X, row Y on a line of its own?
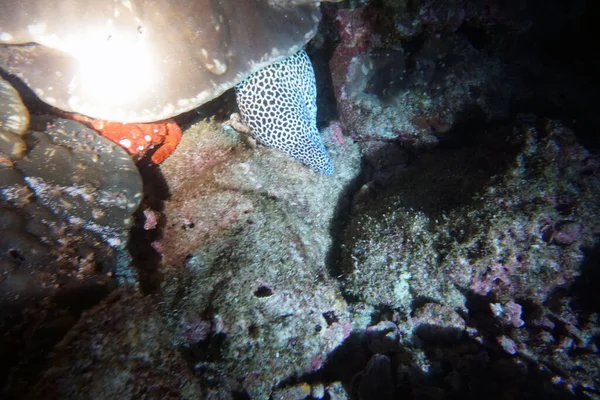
column 279, row 104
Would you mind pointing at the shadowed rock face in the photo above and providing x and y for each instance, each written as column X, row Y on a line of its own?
column 66, row 200
column 142, row 61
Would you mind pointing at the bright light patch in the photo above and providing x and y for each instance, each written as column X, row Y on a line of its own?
column 117, row 70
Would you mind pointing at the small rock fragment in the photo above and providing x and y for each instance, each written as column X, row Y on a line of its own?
column 383, row 337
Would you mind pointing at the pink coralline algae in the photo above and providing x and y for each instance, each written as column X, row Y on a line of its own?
column 509, row 313
column 497, row 277
column 337, row 134
column 151, row 219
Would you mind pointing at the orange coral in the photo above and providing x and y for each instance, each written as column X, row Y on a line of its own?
column 138, row 139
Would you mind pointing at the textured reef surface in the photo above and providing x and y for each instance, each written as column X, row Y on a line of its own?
column 67, row 196
column 244, row 255
column 453, row 253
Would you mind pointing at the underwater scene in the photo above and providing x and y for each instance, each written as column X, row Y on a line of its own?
column 299, row 199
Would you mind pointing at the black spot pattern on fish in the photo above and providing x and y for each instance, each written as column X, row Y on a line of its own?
column 279, row 104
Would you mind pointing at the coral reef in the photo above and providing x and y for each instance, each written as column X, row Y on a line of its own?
column 62, row 169
column 235, row 222
column 453, row 254
column 501, row 243
column 118, row 349
column 411, row 90
column 67, row 186
column 530, row 246
column 66, row 200
column 159, row 138
column 160, row 60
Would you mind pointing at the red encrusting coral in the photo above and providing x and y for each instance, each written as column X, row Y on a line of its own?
column 138, row 139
